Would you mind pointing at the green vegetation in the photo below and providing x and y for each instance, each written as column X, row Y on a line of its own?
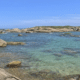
column 54, row 27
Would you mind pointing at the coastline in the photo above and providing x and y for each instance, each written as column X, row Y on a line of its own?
column 42, row 29
column 32, row 75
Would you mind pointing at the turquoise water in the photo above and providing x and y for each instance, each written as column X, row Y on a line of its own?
column 44, row 51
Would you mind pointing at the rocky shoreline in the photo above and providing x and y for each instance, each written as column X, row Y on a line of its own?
column 40, row 75
column 7, row 76
column 36, row 75
column 42, row 29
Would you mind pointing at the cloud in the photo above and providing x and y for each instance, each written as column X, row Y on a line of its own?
column 70, row 19
column 73, row 21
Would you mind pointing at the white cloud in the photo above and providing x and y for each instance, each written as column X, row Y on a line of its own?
column 71, row 19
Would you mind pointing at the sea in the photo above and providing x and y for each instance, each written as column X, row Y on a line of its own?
column 50, row 51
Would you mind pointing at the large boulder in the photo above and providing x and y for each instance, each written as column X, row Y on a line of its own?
column 7, row 76
column 3, row 43
column 14, row 64
column 15, row 43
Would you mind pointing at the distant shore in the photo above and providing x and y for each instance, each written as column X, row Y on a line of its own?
column 42, row 29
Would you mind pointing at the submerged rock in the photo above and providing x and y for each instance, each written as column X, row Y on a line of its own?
column 15, row 43
column 14, row 64
column 3, row 43
column 66, row 34
column 47, row 51
column 69, row 34
column 46, row 75
column 57, row 54
column 70, row 51
column 75, row 36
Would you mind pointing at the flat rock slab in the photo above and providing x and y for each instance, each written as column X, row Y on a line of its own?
column 7, row 76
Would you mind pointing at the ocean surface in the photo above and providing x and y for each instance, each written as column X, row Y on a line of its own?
column 51, row 51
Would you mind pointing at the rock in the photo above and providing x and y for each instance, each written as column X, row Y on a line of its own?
column 24, row 30
column 75, row 36
column 46, row 75
column 57, row 54
column 3, row 43
column 66, row 34
column 19, row 34
column 29, row 31
column 72, row 79
column 70, row 51
column 14, row 64
column 42, row 31
column 2, row 32
column 16, row 30
column 7, row 30
column 7, row 76
column 15, row 43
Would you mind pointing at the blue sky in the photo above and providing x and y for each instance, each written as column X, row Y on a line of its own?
column 30, row 13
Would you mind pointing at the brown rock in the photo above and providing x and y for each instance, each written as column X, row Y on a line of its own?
column 16, row 30
column 3, row 43
column 24, row 30
column 29, row 31
column 15, row 43
column 43, row 31
column 14, row 64
column 19, row 34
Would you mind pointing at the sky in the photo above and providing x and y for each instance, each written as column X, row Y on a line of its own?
column 30, row 13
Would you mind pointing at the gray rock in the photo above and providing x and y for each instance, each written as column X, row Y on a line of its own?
column 7, row 76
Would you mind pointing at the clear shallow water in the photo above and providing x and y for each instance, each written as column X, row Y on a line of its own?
column 44, row 51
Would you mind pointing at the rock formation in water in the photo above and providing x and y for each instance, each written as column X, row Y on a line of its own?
column 14, row 64
column 3, row 43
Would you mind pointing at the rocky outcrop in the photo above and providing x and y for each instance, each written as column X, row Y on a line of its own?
column 29, row 31
column 2, row 32
column 3, row 43
column 14, row 64
column 15, row 30
column 42, row 31
column 24, row 30
column 45, row 29
column 7, row 76
column 15, row 43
